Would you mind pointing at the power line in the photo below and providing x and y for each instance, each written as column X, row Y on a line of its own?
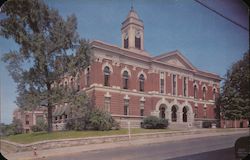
column 239, row 25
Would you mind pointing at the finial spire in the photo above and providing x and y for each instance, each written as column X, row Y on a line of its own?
column 132, row 4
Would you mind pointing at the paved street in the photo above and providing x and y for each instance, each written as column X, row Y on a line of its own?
column 216, row 147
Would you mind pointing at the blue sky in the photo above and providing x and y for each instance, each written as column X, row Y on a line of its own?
column 210, row 42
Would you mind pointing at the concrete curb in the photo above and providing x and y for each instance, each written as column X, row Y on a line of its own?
column 50, row 144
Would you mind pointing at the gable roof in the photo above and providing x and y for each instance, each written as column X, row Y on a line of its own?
column 175, row 58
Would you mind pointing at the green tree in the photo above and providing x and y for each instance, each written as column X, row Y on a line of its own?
column 235, row 96
column 80, row 110
column 17, row 126
column 49, row 47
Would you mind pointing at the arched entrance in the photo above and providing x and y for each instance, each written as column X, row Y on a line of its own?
column 162, row 111
column 174, row 113
column 184, row 114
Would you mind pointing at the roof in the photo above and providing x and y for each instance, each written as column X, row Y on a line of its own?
column 132, row 14
column 170, row 59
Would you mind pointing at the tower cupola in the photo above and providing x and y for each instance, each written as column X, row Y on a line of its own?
column 133, row 31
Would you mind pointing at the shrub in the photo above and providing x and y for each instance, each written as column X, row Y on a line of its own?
column 17, row 126
column 93, row 120
column 78, row 124
column 40, row 126
column 100, row 120
column 153, row 122
column 36, row 128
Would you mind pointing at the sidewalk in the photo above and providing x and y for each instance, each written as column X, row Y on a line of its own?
column 42, row 154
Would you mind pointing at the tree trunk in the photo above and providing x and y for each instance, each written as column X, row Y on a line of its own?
column 49, row 118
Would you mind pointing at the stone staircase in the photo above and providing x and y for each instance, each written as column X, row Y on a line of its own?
column 176, row 125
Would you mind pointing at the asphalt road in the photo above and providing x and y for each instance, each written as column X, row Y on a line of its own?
column 206, row 148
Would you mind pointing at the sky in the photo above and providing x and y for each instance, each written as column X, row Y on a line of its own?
column 209, row 41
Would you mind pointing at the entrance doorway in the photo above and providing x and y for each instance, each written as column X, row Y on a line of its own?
column 184, row 115
column 174, row 114
column 162, row 111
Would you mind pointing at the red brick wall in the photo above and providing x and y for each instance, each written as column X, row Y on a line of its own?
column 151, row 84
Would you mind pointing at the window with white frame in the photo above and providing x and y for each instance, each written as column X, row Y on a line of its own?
column 106, row 76
column 204, row 93
column 185, row 86
column 174, row 92
column 142, row 104
column 125, row 76
column 162, row 85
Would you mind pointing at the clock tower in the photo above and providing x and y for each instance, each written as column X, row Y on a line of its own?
column 133, row 32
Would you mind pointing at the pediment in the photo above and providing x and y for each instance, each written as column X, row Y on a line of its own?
column 175, row 59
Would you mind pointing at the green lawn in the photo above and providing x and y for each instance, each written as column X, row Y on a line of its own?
column 40, row 136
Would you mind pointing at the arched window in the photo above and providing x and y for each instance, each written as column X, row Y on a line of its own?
column 87, row 77
column 138, row 40
column 125, row 79
column 106, row 76
column 162, row 111
column 141, row 82
column 214, row 94
column 204, row 93
column 184, row 116
column 174, row 115
column 126, row 41
column 195, row 91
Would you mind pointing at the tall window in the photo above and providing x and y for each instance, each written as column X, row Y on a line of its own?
column 126, row 42
column 195, row 91
column 106, row 76
column 174, row 114
column 184, row 115
column 174, row 84
column 87, row 77
column 185, row 86
column 205, row 112
column 107, row 104
column 125, row 79
column 162, row 82
column 142, row 104
column 126, row 104
column 162, row 111
column 141, row 82
column 27, row 119
column 138, row 40
column 214, row 94
column 203, row 93
column 196, row 112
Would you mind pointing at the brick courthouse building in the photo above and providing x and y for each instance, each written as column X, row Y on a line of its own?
column 130, row 83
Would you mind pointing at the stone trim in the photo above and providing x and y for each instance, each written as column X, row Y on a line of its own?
column 145, row 94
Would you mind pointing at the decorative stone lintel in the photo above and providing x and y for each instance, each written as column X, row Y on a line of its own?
column 107, row 95
column 126, row 97
column 142, row 99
